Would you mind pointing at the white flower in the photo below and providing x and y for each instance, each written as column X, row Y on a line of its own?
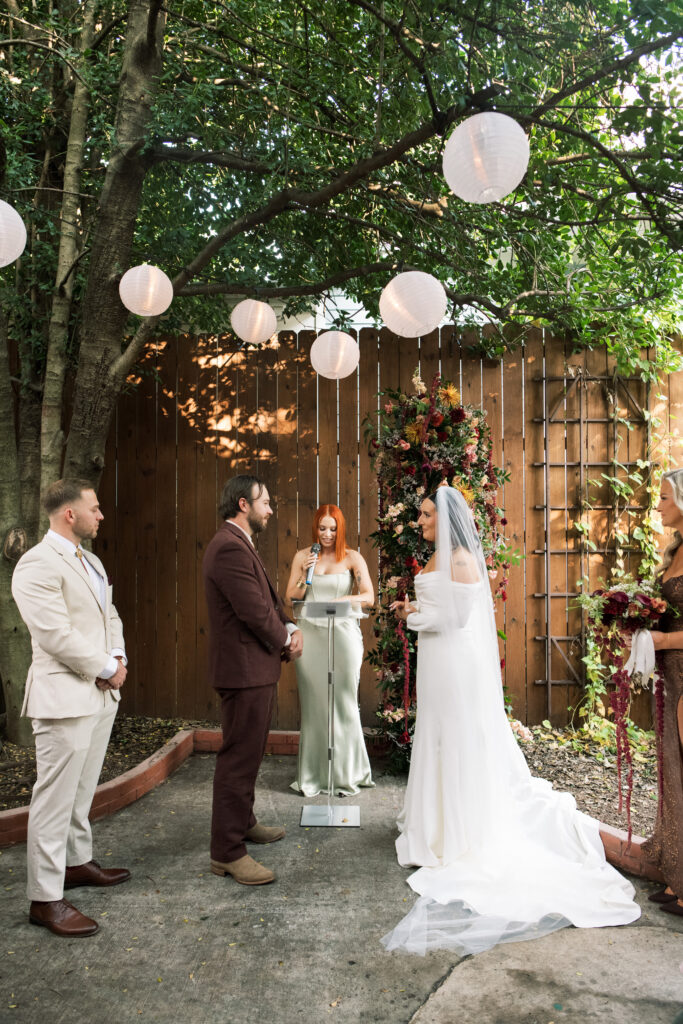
column 419, row 384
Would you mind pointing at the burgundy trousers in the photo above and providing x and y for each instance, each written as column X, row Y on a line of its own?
column 245, row 716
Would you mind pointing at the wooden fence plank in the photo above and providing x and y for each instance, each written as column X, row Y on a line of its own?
column 189, row 682
column 536, row 704
column 348, row 446
column 287, row 705
column 327, row 441
column 430, row 356
column 209, row 359
column 368, row 403
column 166, row 533
column 266, row 450
column 512, row 501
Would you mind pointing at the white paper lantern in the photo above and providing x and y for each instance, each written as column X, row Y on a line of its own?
column 413, row 304
column 485, row 158
column 12, row 234
column 253, row 321
column 334, row 354
column 146, row 290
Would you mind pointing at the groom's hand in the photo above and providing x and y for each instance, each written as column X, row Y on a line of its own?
column 296, row 645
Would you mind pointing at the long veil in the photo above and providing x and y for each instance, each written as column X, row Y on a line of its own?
column 508, row 858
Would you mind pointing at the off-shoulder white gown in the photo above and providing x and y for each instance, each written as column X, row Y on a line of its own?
column 501, row 856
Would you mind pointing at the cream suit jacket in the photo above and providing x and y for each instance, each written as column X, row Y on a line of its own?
column 71, row 634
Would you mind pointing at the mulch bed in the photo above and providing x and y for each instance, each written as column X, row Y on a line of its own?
column 550, row 756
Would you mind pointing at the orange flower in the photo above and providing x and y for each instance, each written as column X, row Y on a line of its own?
column 449, row 395
column 413, row 433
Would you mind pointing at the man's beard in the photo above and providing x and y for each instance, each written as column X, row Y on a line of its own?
column 82, row 531
column 256, row 523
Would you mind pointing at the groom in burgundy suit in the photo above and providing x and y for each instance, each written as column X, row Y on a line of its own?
column 249, row 636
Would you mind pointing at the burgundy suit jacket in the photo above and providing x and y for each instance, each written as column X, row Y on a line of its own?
column 246, row 617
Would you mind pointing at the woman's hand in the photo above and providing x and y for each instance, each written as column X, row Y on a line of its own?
column 658, row 639
column 309, row 560
column 402, row 609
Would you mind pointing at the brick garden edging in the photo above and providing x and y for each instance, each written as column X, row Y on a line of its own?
column 129, row 787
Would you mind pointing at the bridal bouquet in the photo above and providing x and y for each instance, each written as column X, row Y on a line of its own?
column 623, row 609
column 614, row 615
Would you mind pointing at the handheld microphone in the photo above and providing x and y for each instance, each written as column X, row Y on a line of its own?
column 315, row 550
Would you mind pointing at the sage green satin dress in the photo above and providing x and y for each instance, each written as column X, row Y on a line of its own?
column 351, row 764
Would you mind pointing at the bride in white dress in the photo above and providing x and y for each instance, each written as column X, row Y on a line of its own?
column 501, row 856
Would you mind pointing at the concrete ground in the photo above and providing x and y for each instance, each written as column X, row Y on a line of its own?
column 178, row 944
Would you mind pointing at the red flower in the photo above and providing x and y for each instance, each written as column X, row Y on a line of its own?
column 458, row 415
column 503, row 522
column 502, row 662
column 441, row 435
column 437, row 419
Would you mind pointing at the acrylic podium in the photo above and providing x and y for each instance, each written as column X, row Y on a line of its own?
column 329, row 814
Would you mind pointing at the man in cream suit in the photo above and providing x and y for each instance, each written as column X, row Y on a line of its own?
column 72, row 694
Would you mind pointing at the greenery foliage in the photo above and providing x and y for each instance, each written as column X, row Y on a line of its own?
column 289, row 149
column 420, row 441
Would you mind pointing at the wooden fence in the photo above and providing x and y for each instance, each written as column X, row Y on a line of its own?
column 201, row 411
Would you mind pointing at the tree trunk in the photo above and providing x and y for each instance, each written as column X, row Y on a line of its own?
column 15, row 644
column 104, row 316
column 51, row 434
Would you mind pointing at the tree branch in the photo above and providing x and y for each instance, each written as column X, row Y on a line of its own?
column 218, row 158
column 154, row 8
column 41, row 46
column 604, row 72
column 632, row 180
column 288, row 291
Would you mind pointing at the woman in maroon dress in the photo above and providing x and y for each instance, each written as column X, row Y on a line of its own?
column 665, row 846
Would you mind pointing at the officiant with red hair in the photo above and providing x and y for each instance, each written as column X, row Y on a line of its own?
column 339, row 574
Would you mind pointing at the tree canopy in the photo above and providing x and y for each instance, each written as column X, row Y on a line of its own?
column 288, row 148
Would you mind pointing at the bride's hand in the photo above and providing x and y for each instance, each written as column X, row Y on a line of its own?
column 402, row 609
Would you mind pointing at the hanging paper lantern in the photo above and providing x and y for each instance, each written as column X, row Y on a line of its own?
column 413, row 304
column 334, row 354
column 485, row 158
column 12, row 234
column 253, row 321
column 146, row 290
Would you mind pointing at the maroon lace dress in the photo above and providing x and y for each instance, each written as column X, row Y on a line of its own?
column 665, row 846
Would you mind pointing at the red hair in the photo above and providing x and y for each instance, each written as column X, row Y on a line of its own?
column 335, row 513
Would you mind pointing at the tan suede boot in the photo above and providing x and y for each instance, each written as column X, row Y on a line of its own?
column 245, row 870
column 265, row 833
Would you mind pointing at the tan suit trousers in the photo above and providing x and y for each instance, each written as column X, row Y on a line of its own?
column 69, row 756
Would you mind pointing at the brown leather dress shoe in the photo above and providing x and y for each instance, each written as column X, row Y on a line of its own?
column 61, row 919
column 673, row 908
column 92, row 874
column 244, row 870
column 662, row 897
column 265, row 833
